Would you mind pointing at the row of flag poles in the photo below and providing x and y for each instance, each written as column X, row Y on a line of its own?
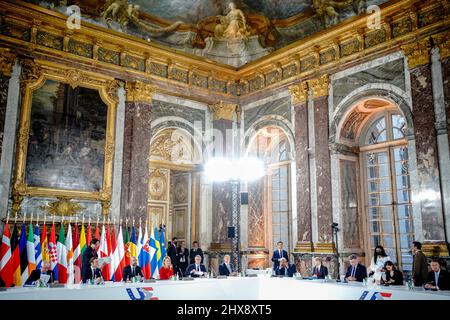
column 21, row 254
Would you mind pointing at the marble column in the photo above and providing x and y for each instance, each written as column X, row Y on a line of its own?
column 221, row 191
column 136, row 150
column 430, row 193
column 319, row 89
column 304, row 233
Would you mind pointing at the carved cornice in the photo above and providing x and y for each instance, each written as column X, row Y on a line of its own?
column 140, row 92
column 442, row 41
column 418, row 53
column 7, row 59
column 223, row 111
column 299, row 92
column 319, row 86
column 31, row 72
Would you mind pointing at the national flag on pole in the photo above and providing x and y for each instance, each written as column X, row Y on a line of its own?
column 23, row 254
column 104, row 253
column 108, row 244
column 53, row 254
column 139, row 245
column 62, row 256
column 76, row 255
column 114, row 256
column 126, row 247
column 89, row 235
column 153, row 254
column 5, row 258
column 133, row 247
column 44, row 244
column 159, row 257
column 144, row 255
column 69, row 251
column 15, row 257
column 162, row 243
column 119, row 256
column 97, row 235
column 31, row 254
column 81, row 247
column 37, row 248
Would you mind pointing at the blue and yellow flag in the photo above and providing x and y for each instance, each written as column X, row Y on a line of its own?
column 162, row 243
column 133, row 244
column 159, row 257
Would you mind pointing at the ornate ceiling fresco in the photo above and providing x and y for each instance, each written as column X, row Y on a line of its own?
column 231, row 32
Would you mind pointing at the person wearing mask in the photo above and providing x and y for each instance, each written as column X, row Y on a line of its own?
column 93, row 272
column 319, row 270
column 166, row 271
column 420, row 265
column 356, row 271
column 172, row 253
column 278, row 254
column 197, row 269
column 132, row 270
column 392, row 276
column 226, row 268
column 182, row 258
column 285, row 269
column 89, row 253
column 438, row 279
column 35, row 275
column 376, row 267
column 196, row 250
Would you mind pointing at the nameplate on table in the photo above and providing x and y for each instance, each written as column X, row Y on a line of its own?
column 222, row 277
column 56, row 285
column 2, row 289
column 188, row 279
column 252, row 275
column 149, row 280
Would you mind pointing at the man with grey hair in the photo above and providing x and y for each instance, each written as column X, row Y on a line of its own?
column 196, row 269
column 226, row 268
column 285, row 269
column 356, row 271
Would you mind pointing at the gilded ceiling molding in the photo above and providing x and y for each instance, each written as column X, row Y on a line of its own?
column 223, row 111
column 442, row 41
column 31, row 72
column 140, row 92
column 319, row 86
column 418, row 53
column 299, row 92
column 7, row 59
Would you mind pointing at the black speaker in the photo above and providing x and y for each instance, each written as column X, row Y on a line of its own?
column 244, row 197
column 231, row 232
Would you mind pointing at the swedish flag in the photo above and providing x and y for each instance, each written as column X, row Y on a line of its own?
column 159, row 257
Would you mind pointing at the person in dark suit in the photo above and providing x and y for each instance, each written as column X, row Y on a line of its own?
column 393, row 276
column 420, row 265
column 226, row 268
column 89, row 253
column 35, row 275
column 197, row 269
column 93, row 272
column 356, row 271
column 172, row 253
column 438, row 279
column 285, row 269
column 278, row 254
column 132, row 270
column 319, row 270
column 196, row 250
column 182, row 258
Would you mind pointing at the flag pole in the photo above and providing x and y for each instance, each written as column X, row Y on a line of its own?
column 45, row 217
column 15, row 218
column 7, row 217
column 31, row 218
column 24, row 217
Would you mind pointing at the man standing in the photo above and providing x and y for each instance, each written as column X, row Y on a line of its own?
column 195, row 251
column 278, row 255
column 226, row 268
column 89, row 253
column 420, row 265
column 182, row 258
column 438, row 279
column 172, row 253
column 132, row 270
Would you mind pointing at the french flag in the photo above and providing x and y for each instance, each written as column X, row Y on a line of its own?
column 381, row 296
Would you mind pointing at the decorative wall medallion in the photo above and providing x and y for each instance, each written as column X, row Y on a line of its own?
column 63, row 207
column 157, row 185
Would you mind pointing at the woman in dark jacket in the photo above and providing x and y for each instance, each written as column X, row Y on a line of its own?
column 393, row 276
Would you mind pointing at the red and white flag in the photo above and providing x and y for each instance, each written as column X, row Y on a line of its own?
column 119, row 256
column 104, row 253
column 114, row 261
column 5, row 258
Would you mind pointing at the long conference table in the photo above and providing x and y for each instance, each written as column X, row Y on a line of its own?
column 232, row 288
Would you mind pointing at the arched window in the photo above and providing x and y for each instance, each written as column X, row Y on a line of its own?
column 384, row 159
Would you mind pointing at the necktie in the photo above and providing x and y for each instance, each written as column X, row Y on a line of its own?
column 93, row 273
column 353, row 272
column 132, row 271
column 279, row 253
column 198, row 268
column 228, row 267
column 436, row 278
column 285, row 271
column 318, row 271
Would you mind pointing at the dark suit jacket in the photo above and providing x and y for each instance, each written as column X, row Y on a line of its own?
column 192, row 267
column 287, row 272
column 322, row 273
column 276, row 256
column 87, row 255
column 420, row 269
column 88, row 274
column 193, row 253
column 127, row 273
column 180, row 254
column 360, row 274
column 443, row 281
column 223, row 270
column 36, row 275
column 172, row 253
column 398, row 278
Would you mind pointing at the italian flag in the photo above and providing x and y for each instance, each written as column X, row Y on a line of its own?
column 30, row 250
column 62, row 256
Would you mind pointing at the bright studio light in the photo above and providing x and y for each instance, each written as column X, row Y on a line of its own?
column 245, row 169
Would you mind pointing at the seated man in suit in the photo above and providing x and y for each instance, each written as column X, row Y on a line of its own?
column 36, row 274
column 356, row 271
column 278, row 254
column 226, row 268
column 196, row 269
column 438, row 279
column 319, row 270
column 285, row 269
column 93, row 272
column 132, row 270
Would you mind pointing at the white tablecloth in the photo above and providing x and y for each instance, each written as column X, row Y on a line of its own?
column 224, row 289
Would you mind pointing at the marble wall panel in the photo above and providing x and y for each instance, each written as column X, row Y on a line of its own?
column 3, row 99
column 446, row 79
column 281, row 107
column 256, row 217
column 165, row 109
column 222, row 212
